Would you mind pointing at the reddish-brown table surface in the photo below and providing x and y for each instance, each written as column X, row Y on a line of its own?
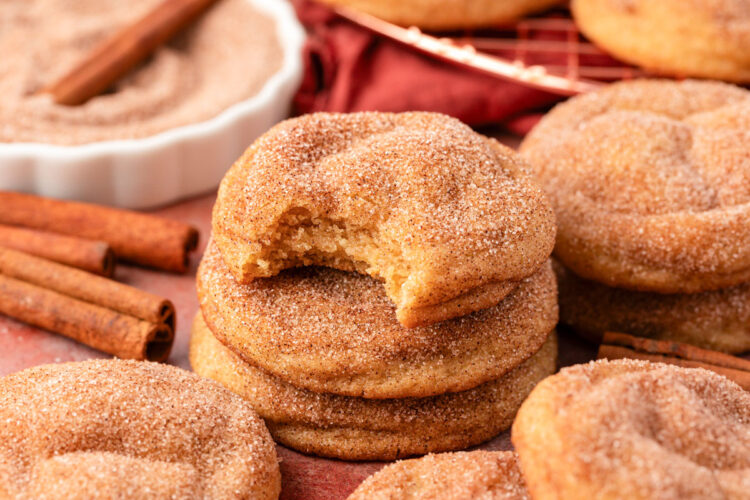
column 303, row 477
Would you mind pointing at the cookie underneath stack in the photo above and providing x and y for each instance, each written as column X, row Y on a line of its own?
column 650, row 184
column 434, row 315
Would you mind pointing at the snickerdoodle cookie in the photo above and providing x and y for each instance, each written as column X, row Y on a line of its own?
column 127, row 429
column 475, row 475
column 447, row 14
column 718, row 320
column 637, row 430
column 448, row 219
column 650, row 181
column 698, row 38
column 332, row 331
column 356, row 428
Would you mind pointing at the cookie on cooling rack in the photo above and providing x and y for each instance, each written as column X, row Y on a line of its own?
column 697, row 38
column 447, row 14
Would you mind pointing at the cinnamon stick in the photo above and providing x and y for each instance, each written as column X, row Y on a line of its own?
column 623, row 346
column 115, row 57
column 86, row 286
column 89, row 255
column 107, row 315
column 136, row 237
column 101, row 328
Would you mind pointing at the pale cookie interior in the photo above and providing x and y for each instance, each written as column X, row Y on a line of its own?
column 302, row 239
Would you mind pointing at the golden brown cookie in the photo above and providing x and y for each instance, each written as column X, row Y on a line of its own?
column 355, row 428
column 331, row 331
column 447, row 14
column 697, row 38
column 448, row 219
column 475, row 475
column 636, row 430
column 650, row 181
column 718, row 320
column 127, row 429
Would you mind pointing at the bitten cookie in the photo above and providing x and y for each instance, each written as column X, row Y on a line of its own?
column 447, row 219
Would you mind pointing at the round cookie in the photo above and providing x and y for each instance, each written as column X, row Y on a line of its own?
column 447, row 219
column 637, row 430
column 353, row 428
column 718, row 320
column 127, row 429
column 447, row 14
column 487, row 475
column 697, row 38
column 331, row 331
column 650, row 181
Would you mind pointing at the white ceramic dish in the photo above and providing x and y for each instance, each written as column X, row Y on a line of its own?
column 184, row 161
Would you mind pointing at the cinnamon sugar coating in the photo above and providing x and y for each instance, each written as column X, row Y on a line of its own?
column 448, row 219
column 696, row 38
column 717, row 320
column 332, row 331
column 474, row 475
column 637, row 430
column 650, row 181
column 127, row 429
column 355, row 428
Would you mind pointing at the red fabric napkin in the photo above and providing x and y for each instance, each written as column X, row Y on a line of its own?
column 350, row 69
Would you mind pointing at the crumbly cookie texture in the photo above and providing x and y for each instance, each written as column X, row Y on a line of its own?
column 447, row 219
column 635, row 429
column 354, row 428
column 130, row 429
column 473, row 475
column 650, row 181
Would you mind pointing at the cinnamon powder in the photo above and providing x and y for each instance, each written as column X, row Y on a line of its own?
column 225, row 58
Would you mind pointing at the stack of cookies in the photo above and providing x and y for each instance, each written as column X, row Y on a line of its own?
column 650, row 181
column 378, row 285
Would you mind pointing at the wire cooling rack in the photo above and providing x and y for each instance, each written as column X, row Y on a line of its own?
column 546, row 52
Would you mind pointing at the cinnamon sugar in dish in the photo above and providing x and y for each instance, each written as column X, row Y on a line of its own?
column 224, row 58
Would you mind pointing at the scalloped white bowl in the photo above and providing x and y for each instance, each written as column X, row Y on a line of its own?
column 178, row 163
